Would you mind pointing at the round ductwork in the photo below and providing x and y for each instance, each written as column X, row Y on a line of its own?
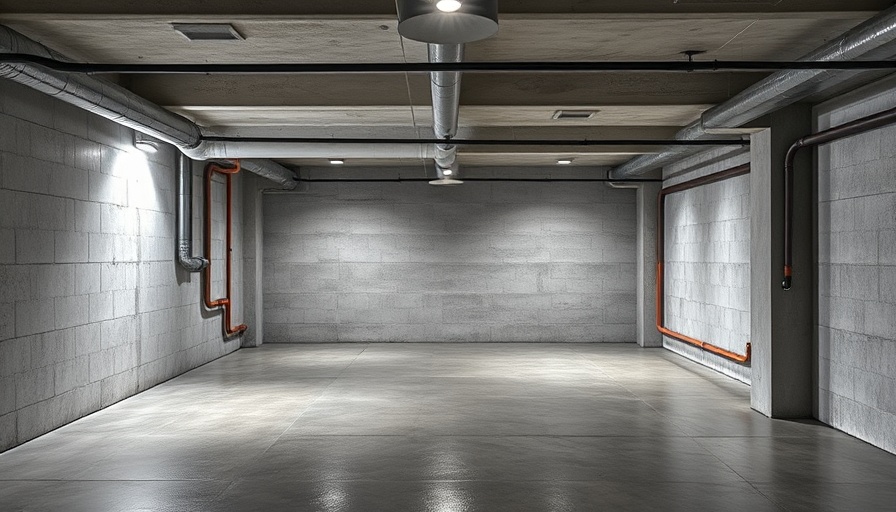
column 424, row 21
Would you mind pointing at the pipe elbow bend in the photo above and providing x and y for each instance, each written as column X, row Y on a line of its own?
column 191, row 263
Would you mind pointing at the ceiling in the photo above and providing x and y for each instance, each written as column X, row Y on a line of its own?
column 505, row 105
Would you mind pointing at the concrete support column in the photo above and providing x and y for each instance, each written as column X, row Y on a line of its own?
column 647, row 334
column 781, row 321
column 252, row 260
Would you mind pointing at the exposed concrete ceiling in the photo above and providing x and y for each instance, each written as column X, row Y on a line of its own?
column 512, row 105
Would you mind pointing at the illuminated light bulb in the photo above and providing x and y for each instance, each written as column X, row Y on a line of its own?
column 448, row 5
column 447, row 172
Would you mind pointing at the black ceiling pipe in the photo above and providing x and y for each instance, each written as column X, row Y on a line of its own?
column 531, row 180
column 428, row 67
column 486, row 142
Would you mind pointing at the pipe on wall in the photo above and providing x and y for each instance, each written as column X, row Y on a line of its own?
column 868, row 123
column 661, row 258
column 873, row 39
column 224, row 303
column 185, row 217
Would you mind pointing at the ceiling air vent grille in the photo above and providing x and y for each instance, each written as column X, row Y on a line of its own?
column 208, row 31
column 574, row 114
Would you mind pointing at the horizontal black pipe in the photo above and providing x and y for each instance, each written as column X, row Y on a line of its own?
column 412, row 180
column 486, row 142
column 872, row 122
column 428, row 67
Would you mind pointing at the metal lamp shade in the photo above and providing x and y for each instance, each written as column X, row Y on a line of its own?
column 422, row 21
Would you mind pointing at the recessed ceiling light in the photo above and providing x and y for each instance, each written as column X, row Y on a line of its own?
column 208, row 31
column 564, row 162
column 337, row 161
column 448, row 5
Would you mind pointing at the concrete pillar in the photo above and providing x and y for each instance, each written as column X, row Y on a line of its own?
column 647, row 334
column 781, row 322
column 252, row 260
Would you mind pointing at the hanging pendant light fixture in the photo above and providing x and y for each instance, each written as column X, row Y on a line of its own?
column 447, row 21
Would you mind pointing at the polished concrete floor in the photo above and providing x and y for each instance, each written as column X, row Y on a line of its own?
column 425, row 427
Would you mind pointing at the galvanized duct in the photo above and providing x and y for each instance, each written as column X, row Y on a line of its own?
column 272, row 171
column 126, row 108
column 222, row 150
column 103, row 98
column 445, row 88
column 185, row 217
column 873, row 39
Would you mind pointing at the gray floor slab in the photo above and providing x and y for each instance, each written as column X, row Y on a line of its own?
column 427, row 427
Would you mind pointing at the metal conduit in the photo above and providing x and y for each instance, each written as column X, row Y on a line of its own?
column 875, row 38
column 842, row 131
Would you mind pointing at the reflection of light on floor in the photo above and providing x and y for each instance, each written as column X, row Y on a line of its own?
column 442, row 497
column 332, row 497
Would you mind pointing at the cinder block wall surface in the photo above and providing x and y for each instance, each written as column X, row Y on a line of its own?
column 707, row 268
column 93, row 308
column 482, row 261
column 857, row 273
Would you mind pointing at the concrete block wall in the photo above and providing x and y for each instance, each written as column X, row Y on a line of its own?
column 494, row 262
column 857, row 272
column 93, row 308
column 707, row 268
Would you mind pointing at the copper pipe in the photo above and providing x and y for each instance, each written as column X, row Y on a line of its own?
column 224, row 303
column 661, row 258
column 842, row 131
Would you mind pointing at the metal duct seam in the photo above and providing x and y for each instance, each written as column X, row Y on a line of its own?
column 873, row 39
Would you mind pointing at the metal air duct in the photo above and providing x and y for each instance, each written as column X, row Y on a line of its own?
column 124, row 107
column 873, row 39
column 185, row 216
column 445, row 89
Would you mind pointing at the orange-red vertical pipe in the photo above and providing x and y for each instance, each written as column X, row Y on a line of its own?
column 224, row 303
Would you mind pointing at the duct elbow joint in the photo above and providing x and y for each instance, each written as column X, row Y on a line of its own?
column 189, row 262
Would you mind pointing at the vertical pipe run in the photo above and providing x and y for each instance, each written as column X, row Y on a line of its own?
column 224, row 303
column 856, row 127
column 445, row 91
column 185, row 217
column 661, row 258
